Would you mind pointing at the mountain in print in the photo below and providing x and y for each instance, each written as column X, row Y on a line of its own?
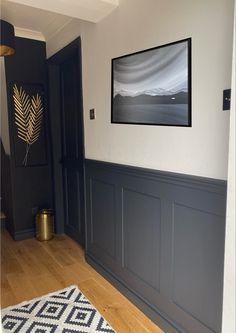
column 179, row 98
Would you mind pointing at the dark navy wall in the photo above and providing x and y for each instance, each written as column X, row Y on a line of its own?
column 159, row 237
column 6, row 186
column 31, row 186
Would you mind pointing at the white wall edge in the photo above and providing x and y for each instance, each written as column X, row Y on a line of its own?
column 229, row 301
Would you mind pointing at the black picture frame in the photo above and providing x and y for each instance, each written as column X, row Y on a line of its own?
column 153, row 86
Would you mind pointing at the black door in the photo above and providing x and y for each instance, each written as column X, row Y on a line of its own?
column 67, row 140
column 72, row 148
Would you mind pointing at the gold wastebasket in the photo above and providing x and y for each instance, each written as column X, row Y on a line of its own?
column 44, row 225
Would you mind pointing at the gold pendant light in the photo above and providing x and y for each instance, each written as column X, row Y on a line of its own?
column 7, row 39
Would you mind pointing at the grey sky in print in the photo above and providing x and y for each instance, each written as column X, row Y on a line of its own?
column 161, row 71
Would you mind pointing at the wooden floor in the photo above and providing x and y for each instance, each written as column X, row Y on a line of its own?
column 30, row 269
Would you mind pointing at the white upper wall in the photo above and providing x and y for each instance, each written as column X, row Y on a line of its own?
column 140, row 24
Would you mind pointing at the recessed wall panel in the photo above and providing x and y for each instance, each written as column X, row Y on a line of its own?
column 197, row 264
column 142, row 236
column 103, row 216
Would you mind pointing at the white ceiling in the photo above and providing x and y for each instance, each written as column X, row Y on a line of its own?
column 41, row 19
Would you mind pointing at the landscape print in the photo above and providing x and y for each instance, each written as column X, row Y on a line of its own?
column 153, row 86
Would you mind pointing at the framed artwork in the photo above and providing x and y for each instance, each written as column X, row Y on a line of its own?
column 28, row 119
column 153, row 87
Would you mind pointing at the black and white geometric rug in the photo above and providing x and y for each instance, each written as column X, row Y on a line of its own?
column 64, row 311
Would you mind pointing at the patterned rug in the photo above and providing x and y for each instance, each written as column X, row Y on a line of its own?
column 66, row 311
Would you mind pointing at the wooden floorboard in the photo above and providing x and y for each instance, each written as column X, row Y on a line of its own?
column 30, row 269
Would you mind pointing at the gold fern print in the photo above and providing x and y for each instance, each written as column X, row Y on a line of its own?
column 28, row 117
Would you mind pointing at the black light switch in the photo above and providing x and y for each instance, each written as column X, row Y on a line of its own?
column 92, row 114
column 226, row 99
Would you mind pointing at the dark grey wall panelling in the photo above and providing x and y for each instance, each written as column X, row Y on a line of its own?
column 31, row 186
column 159, row 237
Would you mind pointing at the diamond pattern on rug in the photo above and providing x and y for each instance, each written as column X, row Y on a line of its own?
column 28, row 308
column 103, row 326
column 72, row 331
column 81, row 299
column 41, row 328
column 81, row 316
column 65, row 311
column 51, row 310
column 65, row 294
column 12, row 323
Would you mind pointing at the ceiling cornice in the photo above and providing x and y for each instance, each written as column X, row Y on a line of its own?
column 31, row 34
column 89, row 10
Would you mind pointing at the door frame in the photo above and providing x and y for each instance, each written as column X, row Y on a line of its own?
column 53, row 64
